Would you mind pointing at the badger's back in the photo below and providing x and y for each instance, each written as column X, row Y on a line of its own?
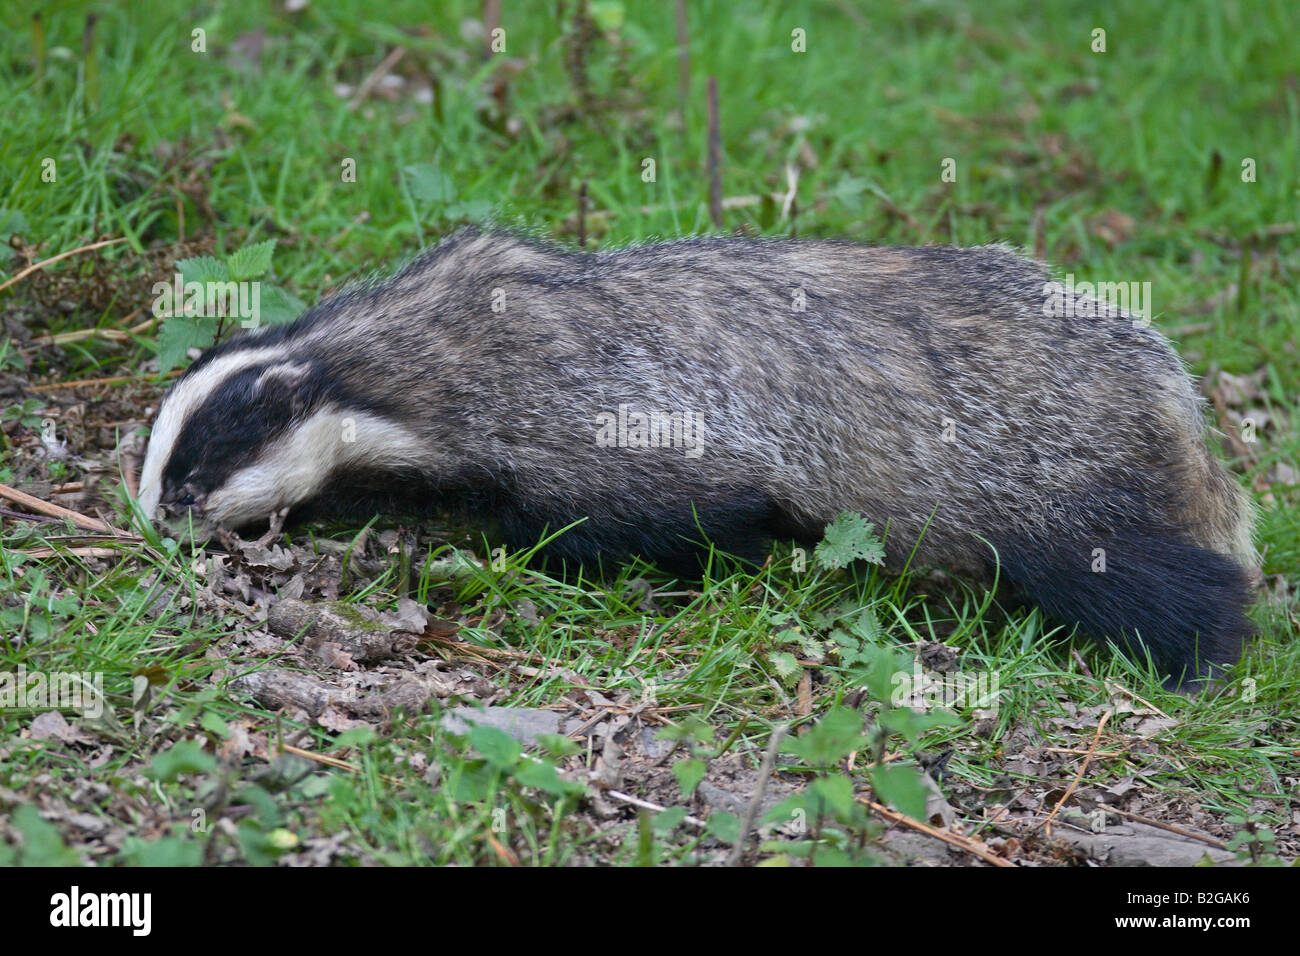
column 927, row 388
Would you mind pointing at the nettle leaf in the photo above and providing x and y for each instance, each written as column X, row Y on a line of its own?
column 882, row 671
column 849, row 538
column 725, row 826
column 828, row 856
column 214, row 723
column 808, row 644
column 558, row 745
column 473, row 782
column 787, row 666
column 251, row 261
column 689, row 773
column 179, row 334
column 42, row 843
column 866, row 625
column 834, row 794
column 669, row 819
column 793, row 810
column 910, row 724
column 831, row 739
column 183, row 757
column 476, row 210
column 12, row 221
column 165, row 851
column 202, row 269
column 356, row 737
column 268, row 814
column 902, row 787
column 843, row 638
column 799, row 849
column 277, row 306
column 497, row 747
column 689, row 728
column 543, row 776
column 429, row 183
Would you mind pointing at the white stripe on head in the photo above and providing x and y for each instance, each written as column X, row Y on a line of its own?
column 287, row 373
column 298, row 465
column 179, row 404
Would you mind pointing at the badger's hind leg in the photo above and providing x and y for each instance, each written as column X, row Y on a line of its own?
column 1153, row 592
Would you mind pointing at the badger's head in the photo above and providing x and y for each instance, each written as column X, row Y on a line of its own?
column 250, row 430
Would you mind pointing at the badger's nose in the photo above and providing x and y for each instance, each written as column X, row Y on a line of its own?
column 183, row 520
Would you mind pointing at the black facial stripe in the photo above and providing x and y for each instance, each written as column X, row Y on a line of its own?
column 238, row 419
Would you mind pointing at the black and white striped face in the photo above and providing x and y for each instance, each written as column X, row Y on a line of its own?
column 251, row 430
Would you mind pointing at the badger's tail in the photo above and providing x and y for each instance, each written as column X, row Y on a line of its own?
column 1153, row 593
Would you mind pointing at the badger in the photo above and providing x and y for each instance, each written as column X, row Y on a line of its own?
column 735, row 392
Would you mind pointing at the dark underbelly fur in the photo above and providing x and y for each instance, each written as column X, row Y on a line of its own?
column 1184, row 600
column 740, row 524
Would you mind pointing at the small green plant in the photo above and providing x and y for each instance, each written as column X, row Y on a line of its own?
column 210, row 288
column 849, row 538
column 42, row 844
column 27, row 414
column 696, row 736
column 1254, row 843
column 431, row 186
column 12, row 223
column 837, row 633
column 503, row 757
column 828, row 811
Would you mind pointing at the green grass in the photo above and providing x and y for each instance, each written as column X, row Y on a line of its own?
column 1130, row 161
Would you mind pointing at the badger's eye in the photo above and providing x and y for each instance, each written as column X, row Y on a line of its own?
column 187, row 501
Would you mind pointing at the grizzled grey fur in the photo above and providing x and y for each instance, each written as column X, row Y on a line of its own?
column 926, row 388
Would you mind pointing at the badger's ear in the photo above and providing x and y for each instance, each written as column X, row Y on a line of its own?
column 294, row 386
column 283, row 375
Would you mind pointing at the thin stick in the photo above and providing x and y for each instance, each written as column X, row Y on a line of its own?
column 715, row 157
column 1078, row 658
column 756, row 800
column 590, row 722
column 1040, row 234
column 24, row 516
column 491, row 21
column 62, row 255
column 57, row 511
column 81, row 540
column 1166, row 826
column 647, row 805
column 961, row 842
column 1121, row 689
column 1046, row 825
column 320, row 758
column 503, row 852
column 78, row 335
column 1078, row 752
column 791, row 193
column 87, row 552
column 90, row 382
column 375, row 76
